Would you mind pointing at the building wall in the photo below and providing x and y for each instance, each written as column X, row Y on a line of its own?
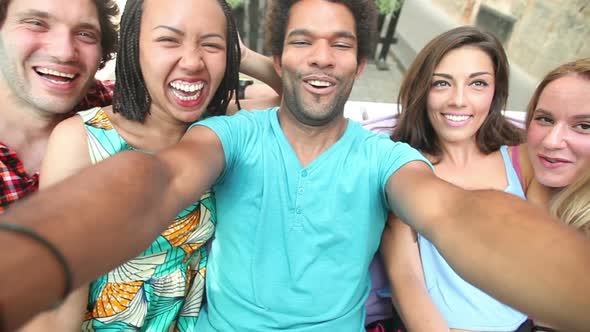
column 546, row 33
column 422, row 20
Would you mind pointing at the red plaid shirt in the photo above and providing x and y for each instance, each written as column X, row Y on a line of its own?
column 15, row 183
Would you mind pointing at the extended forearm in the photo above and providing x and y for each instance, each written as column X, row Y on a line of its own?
column 97, row 219
column 518, row 254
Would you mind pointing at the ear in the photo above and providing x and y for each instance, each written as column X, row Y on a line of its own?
column 276, row 63
column 360, row 67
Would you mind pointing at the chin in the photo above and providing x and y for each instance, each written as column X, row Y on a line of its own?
column 556, row 182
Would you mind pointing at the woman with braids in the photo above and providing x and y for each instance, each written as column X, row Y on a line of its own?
column 451, row 101
column 179, row 62
column 558, row 144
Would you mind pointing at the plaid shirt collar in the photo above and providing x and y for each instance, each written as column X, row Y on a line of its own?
column 15, row 183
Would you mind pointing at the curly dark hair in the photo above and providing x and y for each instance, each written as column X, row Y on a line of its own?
column 414, row 127
column 364, row 12
column 132, row 98
column 108, row 12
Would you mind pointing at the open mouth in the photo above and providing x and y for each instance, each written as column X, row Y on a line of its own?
column 456, row 118
column 553, row 160
column 186, row 91
column 319, row 84
column 54, row 76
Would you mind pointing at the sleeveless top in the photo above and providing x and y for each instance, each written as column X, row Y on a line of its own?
column 162, row 288
column 463, row 305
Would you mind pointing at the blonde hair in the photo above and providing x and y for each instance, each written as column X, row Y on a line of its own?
column 580, row 67
column 572, row 204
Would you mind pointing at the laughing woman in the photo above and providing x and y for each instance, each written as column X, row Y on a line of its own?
column 179, row 63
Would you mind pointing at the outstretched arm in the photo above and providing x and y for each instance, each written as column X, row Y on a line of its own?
column 67, row 154
column 128, row 199
column 401, row 255
column 509, row 248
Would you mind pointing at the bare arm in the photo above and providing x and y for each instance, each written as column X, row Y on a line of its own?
column 510, row 249
column 67, row 154
column 261, row 68
column 399, row 249
column 128, row 199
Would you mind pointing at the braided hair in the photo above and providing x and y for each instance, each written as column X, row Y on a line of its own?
column 131, row 97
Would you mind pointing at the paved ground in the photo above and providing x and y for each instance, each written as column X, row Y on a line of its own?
column 378, row 85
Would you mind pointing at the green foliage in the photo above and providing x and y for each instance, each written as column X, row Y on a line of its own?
column 235, row 3
column 388, row 6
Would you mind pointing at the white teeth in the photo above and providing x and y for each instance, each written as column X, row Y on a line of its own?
column 48, row 71
column 319, row 83
column 187, row 98
column 187, row 87
column 456, row 118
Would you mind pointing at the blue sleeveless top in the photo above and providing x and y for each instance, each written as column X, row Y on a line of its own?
column 463, row 305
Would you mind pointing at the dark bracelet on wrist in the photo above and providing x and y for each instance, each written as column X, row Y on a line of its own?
column 19, row 229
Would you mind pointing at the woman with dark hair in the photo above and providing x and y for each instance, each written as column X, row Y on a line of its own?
column 451, row 101
column 178, row 63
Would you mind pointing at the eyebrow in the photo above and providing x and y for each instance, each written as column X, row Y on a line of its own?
column 180, row 32
column 306, row 32
column 34, row 12
column 575, row 117
column 479, row 73
column 46, row 15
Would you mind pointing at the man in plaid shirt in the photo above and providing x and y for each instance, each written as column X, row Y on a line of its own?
column 48, row 59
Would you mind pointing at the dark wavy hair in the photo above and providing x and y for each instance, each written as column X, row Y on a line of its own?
column 108, row 11
column 413, row 125
column 364, row 12
column 132, row 98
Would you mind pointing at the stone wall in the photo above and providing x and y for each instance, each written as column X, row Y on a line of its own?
column 544, row 33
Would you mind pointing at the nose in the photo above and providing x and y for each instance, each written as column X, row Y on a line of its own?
column 62, row 46
column 192, row 59
column 321, row 55
column 556, row 137
column 458, row 96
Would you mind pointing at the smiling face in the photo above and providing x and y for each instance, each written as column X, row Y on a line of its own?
column 559, row 133
column 48, row 55
column 319, row 62
column 461, row 94
column 182, row 55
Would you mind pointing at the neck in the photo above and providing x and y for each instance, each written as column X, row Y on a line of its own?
column 309, row 141
column 460, row 154
column 21, row 122
column 156, row 133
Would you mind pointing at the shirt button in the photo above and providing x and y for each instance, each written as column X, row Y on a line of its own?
column 298, row 211
column 304, row 173
column 301, row 190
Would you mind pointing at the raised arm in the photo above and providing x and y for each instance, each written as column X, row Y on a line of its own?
column 128, row 199
column 260, row 68
column 401, row 255
column 509, row 248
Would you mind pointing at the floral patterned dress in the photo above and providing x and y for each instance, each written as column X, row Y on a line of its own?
column 162, row 288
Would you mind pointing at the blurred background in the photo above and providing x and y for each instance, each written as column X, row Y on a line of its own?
column 538, row 35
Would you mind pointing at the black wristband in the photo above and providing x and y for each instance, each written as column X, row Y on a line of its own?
column 68, row 278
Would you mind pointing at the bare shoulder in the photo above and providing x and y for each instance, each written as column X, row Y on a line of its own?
column 67, row 151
